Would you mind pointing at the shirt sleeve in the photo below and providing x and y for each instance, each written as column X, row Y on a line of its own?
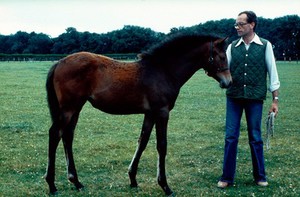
column 272, row 69
column 228, row 54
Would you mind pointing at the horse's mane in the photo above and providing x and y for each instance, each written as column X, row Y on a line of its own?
column 176, row 45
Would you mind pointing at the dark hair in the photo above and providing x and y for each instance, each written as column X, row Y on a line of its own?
column 251, row 17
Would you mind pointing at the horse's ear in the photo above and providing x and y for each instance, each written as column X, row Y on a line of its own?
column 222, row 42
column 225, row 39
column 141, row 56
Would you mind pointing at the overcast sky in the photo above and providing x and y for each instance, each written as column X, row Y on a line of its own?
column 52, row 17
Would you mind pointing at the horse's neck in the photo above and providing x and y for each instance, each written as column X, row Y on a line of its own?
column 184, row 72
column 185, row 66
column 178, row 70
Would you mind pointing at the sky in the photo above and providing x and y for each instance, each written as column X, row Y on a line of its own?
column 53, row 17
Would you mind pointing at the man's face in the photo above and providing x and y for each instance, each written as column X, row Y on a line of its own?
column 242, row 27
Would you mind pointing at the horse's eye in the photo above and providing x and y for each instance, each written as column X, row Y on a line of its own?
column 223, row 58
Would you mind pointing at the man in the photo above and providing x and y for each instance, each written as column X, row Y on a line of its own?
column 250, row 59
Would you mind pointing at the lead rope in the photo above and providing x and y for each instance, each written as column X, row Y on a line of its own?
column 270, row 128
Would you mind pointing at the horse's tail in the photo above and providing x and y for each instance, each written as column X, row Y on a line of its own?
column 51, row 95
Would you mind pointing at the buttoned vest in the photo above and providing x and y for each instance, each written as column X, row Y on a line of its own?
column 249, row 71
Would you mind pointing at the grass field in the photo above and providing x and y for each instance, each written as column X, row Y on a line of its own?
column 104, row 144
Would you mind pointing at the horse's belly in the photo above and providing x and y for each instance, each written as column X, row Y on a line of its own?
column 120, row 104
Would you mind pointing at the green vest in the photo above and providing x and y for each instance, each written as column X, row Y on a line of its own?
column 249, row 71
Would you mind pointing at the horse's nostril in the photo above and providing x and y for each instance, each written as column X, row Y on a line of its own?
column 224, row 84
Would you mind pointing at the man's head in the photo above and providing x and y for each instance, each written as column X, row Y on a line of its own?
column 246, row 23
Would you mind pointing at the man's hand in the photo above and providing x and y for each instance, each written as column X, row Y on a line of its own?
column 274, row 107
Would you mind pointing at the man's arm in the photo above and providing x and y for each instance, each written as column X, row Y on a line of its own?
column 273, row 76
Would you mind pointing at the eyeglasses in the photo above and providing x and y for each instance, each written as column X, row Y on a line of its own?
column 239, row 24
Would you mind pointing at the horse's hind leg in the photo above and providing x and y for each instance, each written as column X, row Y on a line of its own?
column 67, row 138
column 54, row 138
column 142, row 143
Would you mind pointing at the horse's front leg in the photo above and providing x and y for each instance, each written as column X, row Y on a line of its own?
column 142, row 143
column 161, row 138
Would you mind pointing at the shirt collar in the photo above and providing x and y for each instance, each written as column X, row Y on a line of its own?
column 255, row 40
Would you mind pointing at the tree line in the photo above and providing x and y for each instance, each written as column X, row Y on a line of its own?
column 282, row 32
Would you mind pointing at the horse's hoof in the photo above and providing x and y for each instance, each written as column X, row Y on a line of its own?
column 169, row 192
column 53, row 193
column 133, row 185
column 79, row 187
column 173, row 194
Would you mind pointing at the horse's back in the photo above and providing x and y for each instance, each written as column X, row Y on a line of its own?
column 110, row 85
column 75, row 77
column 82, row 62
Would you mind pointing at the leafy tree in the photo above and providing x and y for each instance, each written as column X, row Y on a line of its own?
column 282, row 32
column 89, row 41
column 132, row 39
column 18, row 42
column 67, row 43
column 4, row 45
column 39, row 44
column 104, row 44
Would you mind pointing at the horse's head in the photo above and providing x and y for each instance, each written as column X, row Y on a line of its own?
column 216, row 65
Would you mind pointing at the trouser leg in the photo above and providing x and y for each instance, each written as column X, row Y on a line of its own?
column 234, row 110
column 253, row 112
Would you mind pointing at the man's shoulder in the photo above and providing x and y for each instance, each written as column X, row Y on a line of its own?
column 235, row 41
column 263, row 40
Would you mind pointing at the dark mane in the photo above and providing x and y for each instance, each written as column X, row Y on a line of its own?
column 176, row 45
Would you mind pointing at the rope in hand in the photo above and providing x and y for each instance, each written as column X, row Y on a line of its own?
column 270, row 128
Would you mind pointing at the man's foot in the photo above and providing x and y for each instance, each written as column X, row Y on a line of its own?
column 222, row 184
column 262, row 183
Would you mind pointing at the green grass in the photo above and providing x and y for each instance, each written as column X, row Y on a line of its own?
column 104, row 144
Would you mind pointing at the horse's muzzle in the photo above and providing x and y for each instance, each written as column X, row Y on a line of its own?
column 225, row 79
column 225, row 84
